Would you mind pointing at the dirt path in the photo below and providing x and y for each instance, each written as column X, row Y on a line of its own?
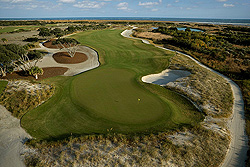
column 237, row 152
column 12, row 137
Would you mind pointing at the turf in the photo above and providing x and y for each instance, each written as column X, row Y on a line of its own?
column 111, row 97
column 117, row 97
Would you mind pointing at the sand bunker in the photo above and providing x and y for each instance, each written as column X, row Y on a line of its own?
column 165, row 77
column 64, row 58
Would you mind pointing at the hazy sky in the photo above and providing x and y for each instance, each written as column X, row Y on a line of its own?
column 119, row 8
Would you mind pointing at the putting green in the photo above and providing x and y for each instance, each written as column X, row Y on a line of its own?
column 111, row 96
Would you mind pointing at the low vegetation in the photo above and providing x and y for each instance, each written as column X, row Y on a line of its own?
column 202, row 148
column 19, row 97
column 3, row 85
column 210, row 91
column 223, row 48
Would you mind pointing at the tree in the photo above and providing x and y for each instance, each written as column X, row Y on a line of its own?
column 35, row 71
column 69, row 44
column 23, row 61
column 44, row 32
column 7, row 58
column 4, row 63
column 59, row 35
column 4, row 40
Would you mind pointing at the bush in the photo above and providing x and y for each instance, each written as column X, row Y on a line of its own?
column 35, row 39
column 65, row 40
column 34, row 54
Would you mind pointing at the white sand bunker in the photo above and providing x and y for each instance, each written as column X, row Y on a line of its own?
column 165, row 77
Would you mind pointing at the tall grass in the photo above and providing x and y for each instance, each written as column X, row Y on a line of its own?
column 18, row 102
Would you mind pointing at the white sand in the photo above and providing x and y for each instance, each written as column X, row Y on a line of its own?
column 74, row 69
column 12, row 137
column 127, row 33
column 165, row 77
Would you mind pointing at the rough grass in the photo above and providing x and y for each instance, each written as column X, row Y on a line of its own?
column 126, row 150
column 3, row 85
column 64, row 114
column 7, row 29
column 19, row 99
column 151, row 35
column 211, row 92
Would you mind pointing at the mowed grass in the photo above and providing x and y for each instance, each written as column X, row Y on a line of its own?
column 117, row 97
column 112, row 97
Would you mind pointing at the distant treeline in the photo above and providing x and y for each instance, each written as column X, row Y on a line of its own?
column 244, row 29
column 37, row 22
column 19, row 23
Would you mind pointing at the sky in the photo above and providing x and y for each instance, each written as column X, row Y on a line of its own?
column 228, row 9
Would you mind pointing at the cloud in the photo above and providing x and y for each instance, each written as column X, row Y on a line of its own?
column 89, row 4
column 148, row 3
column 228, row 5
column 169, row 5
column 154, row 10
column 15, row 1
column 221, row 0
column 20, row 1
column 67, row 1
column 30, row 7
column 123, row 6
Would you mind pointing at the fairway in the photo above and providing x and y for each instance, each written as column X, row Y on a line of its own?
column 112, row 96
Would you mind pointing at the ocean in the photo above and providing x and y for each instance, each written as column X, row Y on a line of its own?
column 245, row 22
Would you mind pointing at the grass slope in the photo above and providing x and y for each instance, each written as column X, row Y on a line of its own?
column 106, row 98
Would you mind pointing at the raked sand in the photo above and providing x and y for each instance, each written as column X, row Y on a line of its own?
column 73, row 69
column 165, row 77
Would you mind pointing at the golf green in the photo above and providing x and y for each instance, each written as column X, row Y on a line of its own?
column 112, row 96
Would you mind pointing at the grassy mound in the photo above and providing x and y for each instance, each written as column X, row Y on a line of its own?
column 111, row 97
